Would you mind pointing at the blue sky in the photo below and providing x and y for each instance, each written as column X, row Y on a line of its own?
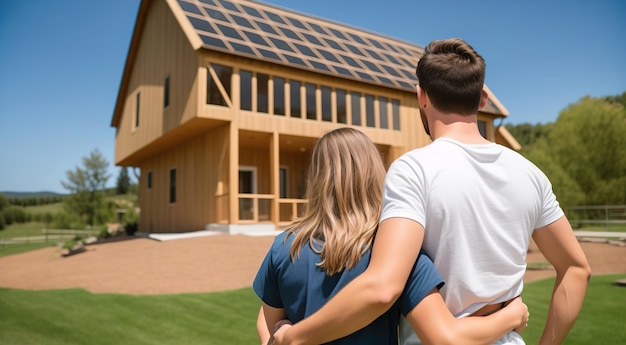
column 61, row 63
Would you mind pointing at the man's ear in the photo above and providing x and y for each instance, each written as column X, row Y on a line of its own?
column 421, row 96
column 484, row 97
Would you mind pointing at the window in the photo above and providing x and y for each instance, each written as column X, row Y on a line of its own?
column 149, row 180
column 382, row 107
column 279, row 96
column 327, row 114
column 246, row 90
column 482, row 128
column 294, row 95
column 341, row 106
column 137, row 104
column 172, row 186
column 262, row 92
column 311, row 111
column 369, row 111
column 355, row 101
column 213, row 93
column 395, row 113
column 166, row 92
column 283, row 182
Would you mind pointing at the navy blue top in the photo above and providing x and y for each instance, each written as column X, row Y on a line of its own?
column 301, row 288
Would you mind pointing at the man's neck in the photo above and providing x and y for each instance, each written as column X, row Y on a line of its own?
column 462, row 128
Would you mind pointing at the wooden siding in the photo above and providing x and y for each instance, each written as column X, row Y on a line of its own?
column 162, row 51
column 202, row 176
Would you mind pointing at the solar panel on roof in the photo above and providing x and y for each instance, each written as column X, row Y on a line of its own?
column 200, row 24
column 391, row 71
column 318, row 28
column 364, row 75
column 409, row 74
column 392, row 59
column 312, row 39
column 255, row 38
column 295, row 60
column 274, row 17
column 319, row 65
column 229, row 25
column 189, row 7
column 371, row 66
column 296, row 23
column 269, row 54
column 290, row 33
column 215, row 42
column 229, row 32
column 337, row 33
column 374, row 54
column 343, row 71
column 242, row 21
column 251, row 11
column 280, row 44
column 333, row 44
column 266, row 27
column 242, row 48
column 229, row 5
column 385, row 80
column 350, row 61
column 305, row 50
column 216, row 14
column 328, row 55
column 357, row 38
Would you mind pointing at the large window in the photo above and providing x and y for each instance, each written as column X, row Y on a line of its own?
column 341, row 106
column 245, row 80
column 262, row 94
column 382, row 112
column 222, row 78
column 369, row 111
column 482, row 128
column 355, row 102
column 172, row 186
column 395, row 113
column 279, row 96
column 327, row 112
column 294, row 98
column 311, row 110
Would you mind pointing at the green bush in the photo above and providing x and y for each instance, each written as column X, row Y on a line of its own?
column 1, row 220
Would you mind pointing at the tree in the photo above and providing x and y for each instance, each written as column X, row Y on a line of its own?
column 86, row 186
column 123, row 181
column 588, row 142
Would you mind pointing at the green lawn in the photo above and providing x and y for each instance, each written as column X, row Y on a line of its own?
column 79, row 317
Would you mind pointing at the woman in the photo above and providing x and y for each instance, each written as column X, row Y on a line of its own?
column 330, row 245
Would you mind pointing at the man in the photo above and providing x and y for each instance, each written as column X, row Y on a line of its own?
column 473, row 204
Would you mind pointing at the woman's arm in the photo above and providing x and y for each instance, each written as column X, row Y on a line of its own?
column 434, row 324
column 396, row 247
column 267, row 319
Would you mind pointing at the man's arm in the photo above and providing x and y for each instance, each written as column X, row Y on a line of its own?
column 434, row 324
column 396, row 246
column 559, row 245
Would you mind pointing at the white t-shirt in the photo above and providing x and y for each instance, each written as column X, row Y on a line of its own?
column 479, row 205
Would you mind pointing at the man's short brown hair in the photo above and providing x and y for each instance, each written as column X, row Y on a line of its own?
column 453, row 74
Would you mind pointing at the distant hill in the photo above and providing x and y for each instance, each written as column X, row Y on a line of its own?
column 12, row 195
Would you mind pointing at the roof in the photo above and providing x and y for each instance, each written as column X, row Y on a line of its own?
column 273, row 34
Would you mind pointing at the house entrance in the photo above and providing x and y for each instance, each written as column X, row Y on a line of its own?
column 247, row 185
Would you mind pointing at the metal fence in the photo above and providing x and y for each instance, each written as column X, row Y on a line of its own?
column 606, row 217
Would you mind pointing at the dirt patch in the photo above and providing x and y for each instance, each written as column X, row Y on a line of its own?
column 206, row 264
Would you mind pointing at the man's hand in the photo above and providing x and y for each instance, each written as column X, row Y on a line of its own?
column 279, row 334
column 522, row 309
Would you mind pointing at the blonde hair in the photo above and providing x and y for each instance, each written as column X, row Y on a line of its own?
column 344, row 190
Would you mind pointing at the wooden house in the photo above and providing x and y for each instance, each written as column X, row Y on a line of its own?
column 221, row 102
